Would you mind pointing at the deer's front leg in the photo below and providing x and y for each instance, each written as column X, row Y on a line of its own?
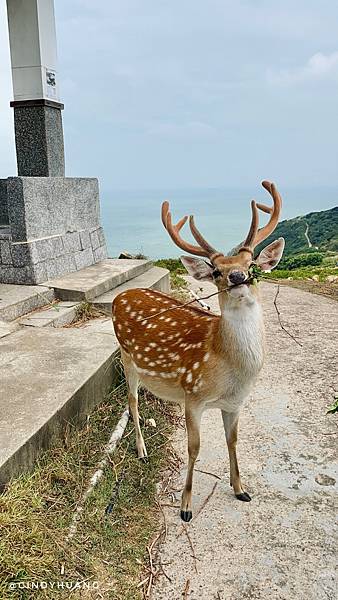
column 230, row 422
column 193, row 422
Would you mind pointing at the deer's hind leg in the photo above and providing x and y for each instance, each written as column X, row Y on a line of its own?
column 132, row 379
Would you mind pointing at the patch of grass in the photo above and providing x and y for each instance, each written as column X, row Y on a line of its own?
column 176, row 269
column 36, row 509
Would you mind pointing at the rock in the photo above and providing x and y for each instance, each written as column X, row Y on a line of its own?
column 323, row 479
column 315, row 278
column 125, row 255
column 151, row 422
column 332, row 278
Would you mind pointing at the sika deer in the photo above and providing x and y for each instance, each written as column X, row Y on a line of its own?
column 196, row 358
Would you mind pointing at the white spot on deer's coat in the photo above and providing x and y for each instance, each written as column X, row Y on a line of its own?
column 206, row 357
column 189, row 377
column 196, row 365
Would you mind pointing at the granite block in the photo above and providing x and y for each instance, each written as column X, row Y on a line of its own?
column 21, row 255
column 5, row 252
column 94, row 239
column 5, row 233
column 46, row 206
column 39, row 273
column 100, row 253
column 19, row 275
column 100, row 233
column 83, row 259
column 71, row 242
column 49, row 247
column 85, row 240
column 3, row 202
column 59, row 266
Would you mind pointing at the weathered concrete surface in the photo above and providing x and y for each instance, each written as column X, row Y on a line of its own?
column 282, row 544
column 155, row 278
column 7, row 328
column 60, row 314
column 48, row 377
column 97, row 279
column 18, row 300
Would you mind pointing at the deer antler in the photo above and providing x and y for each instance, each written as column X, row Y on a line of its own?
column 255, row 235
column 204, row 248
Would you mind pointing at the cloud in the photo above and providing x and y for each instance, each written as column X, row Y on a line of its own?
column 319, row 67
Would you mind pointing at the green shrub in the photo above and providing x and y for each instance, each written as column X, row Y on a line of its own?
column 301, row 260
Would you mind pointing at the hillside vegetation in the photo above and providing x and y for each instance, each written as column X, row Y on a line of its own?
column 311, row 232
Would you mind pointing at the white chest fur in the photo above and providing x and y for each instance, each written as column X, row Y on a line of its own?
column 243, row 339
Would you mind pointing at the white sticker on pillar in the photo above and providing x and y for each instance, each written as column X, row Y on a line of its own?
column 51, row 83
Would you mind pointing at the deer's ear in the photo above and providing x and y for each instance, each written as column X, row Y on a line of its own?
column 198, row 268
column 270, row 256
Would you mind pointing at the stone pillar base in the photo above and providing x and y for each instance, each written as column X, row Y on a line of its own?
column 39, row 138
column 53, row 228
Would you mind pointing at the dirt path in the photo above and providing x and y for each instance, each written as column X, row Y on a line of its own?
column 282, row 544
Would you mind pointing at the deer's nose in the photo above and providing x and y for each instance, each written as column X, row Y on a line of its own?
column 237, row 277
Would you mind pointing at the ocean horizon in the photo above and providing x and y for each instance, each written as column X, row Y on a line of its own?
column 132, row 222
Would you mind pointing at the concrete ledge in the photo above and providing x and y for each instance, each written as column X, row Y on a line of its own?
column 97, row 279
column 36, row 409
column 156, row 278
column 61, row 314
column 18, row 300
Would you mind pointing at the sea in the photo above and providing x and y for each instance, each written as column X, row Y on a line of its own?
column 132, row 219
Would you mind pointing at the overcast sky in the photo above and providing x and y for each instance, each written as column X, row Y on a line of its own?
column 193, row 93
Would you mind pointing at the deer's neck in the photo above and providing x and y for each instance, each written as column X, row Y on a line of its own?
column 241, row 335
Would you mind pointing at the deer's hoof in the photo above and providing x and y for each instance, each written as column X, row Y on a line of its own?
column 244, row 497
column 186, row 515
column 144, row 459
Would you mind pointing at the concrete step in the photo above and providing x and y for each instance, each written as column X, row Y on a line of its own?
column 97, row 279
column 155, row 278
column 18, row 300
column 57, row 315
column 48, row 378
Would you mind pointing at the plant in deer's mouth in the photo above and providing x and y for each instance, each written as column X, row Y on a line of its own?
column 255, row 274
column 333, row 408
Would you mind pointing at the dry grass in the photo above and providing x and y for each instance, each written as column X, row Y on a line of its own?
column 36, row 510
column 85, row 312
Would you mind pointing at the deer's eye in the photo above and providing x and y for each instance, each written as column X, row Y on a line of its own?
column 216, row 273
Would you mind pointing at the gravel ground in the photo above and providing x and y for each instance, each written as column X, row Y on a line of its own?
column 282, row 544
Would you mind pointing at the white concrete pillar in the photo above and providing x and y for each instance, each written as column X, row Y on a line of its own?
column 37, row 106
column 32, row 38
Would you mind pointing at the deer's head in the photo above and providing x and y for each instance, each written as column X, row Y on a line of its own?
column 231, row 273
